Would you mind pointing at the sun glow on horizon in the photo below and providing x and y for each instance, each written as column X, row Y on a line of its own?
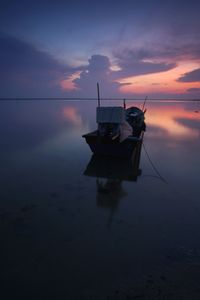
column 154, row 83
column 163, row 82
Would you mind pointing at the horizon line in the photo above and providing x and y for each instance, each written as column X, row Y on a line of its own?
column 93, row 99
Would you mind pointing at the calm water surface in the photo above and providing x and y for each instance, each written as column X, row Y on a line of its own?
column 72, row 227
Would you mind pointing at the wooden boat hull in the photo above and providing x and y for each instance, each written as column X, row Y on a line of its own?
column 113, row 148
column 113, row 168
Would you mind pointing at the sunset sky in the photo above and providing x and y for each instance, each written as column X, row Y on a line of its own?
column 132, row 48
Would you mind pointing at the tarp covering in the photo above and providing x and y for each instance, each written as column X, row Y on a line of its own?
column 125, row 130
column 110, row 115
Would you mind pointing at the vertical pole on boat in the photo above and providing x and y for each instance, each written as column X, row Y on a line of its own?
column 124, row 102
column 144, row 103
column 98, row 94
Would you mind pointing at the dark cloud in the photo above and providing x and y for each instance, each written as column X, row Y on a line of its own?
column 26, row 71
column 193, row 76
column 98, row 70
column 165, row 51
column 137, row 62
column 19, row 54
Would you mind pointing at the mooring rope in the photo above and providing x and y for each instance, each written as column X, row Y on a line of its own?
column 153, row 165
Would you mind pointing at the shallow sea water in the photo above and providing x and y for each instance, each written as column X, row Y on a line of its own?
column 72, row 227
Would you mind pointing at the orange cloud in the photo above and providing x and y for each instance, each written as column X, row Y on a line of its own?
column 68, row 84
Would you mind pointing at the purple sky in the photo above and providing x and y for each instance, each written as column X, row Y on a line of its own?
column 132, row 48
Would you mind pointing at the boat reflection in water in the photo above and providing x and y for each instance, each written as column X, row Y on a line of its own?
column 110, row 172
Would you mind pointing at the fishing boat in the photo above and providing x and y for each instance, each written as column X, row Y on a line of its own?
column 119, row 130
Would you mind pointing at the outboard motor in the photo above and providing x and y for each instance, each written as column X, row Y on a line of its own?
column 135, row 117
